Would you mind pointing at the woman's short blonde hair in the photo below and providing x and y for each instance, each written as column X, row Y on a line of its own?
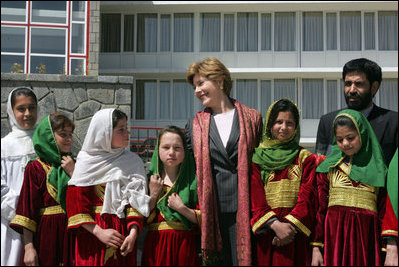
column 212, row 69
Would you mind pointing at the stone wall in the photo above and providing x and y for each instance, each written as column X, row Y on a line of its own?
column 94, row 38
column 79, row 97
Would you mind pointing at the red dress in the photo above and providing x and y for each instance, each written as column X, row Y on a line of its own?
column 39, row 212
column 348, row 219
column 84, row 205
column 390, row 222
column 169, row 243
column 290, row 196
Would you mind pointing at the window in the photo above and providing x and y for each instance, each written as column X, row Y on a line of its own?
column 210, row 32
column 183, row 32
column 388, row 30
column 285, row 88
column 39, row 37
column 331, row 21
column 312, row 31
column 388, row 94
column 247, row 92
column 369, row 31
column 247, row 31
column 110, row 32
column 266, row 34
column 312, row 98
column 332, row 95
column 284, row 31
column 228, row 40
column 165, row 33
column 128, row 34
column 147, row 29
column 350, row 31
column 265, row 96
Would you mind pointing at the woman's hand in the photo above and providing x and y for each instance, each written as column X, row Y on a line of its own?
column 317, row 257
column 130, row 241
column 68, row 164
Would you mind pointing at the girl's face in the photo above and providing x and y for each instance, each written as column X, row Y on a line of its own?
column 171, row 149
column 209, row 92
column 120, row 134
column 25, row 111
column 348, row 140
column 284, row 126
column 63, row 138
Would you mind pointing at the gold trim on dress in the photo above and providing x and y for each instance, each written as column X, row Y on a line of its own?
column 24, row 222
column 132, row 212
column 317, row 244
column 298, row 224
column 52, row 210
column 171, row 225
column 97, row 209
column 99, row 189
column 80, row 219
column 262, row 220
column 343, row 193
column 50, row 188
column 390, row 232
column 198, row 216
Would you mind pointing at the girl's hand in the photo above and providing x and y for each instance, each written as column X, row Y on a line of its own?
column 317, row 257
column 175, row 202
column 68, row 164
column 109, row 237
column 285, row 233
column 130, row 241
column 155, row 186
column 391, row 258
column 30, row 255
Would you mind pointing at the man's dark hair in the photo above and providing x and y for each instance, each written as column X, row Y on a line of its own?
column 371, row 69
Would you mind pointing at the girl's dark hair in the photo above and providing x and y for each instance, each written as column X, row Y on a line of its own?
column 281, row 106
column 343, row 121
column 59, row 120
column 22, row 91
column 176, row 130
column 116, row 116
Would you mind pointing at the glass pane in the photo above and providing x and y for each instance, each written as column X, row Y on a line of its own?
column 284, row 89
column 388, row 30
column 312, row 97
column 77, row 66
column 110, row 32
column 78, row 38
column 129, row 33
column 183, row 32
column 388, row 94
column 247, row 93
column 284, row 31
column 49, row 11
column 165, row 33
column 183, row 100
column 147, row 29
column 332, row 97
column 228, row 41
column 312, row 31
column 266, row 32
column 78, row 10
column 369, row 31
column 165, row 101
column 247, row 31
column 350, row 31
column 13, row 64
column 139, row 100
column 47, row 65
column 12, row 39
column 13, row 11
column 266, row 96
column 48, row 41
column 331, row 31
column 210, row 32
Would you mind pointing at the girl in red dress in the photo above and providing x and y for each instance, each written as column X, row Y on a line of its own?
column 283, row 190
column 40, row 214
column 106, row 197
column 173, row 225
column 351, row 192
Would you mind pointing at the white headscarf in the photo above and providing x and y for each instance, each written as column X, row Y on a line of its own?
column 20, row 140
column 122, row 170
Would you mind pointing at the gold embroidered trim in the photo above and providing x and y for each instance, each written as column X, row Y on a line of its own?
column 166, row 226
column 24, row 222
column 152, row 216
column 97, row 209
column 132, row 212
column 79, row 219
column 351, row 197
column 198, row 216
column 50, row 188
column 390, row 232
column 383, row 249
column 262, row 220
column 99, row 189
column 52, row 210
column 109, row 252
column 298, row 224
column 317, row 244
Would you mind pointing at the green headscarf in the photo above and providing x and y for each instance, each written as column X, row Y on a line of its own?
column 185, row 186
column 46, row 148
column 392, row 183
column 273, row 154
column 367, row 165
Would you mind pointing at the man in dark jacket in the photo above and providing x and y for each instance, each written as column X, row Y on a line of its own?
column 362, row 78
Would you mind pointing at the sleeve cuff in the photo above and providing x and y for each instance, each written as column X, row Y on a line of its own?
column 298, row 224
column 198, row 217
column 25, row 222
column 79, row 219
column 317, row 244
column 262, row 221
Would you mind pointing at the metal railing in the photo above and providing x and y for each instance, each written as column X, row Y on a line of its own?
column 143, row 141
